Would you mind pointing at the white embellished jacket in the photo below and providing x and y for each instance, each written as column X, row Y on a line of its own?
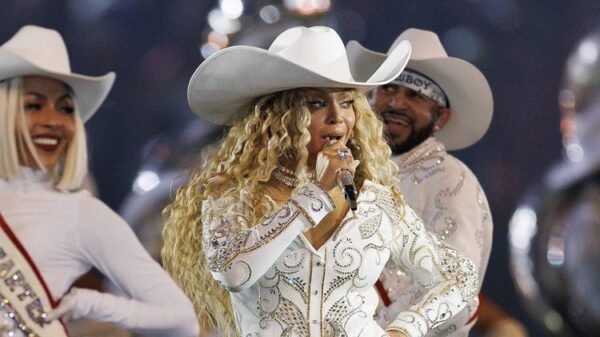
column 447, row 196
column 281, row 286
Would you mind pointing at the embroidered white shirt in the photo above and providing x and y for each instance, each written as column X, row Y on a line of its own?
column 450, row 201
column 281, row 286
column 66, row 234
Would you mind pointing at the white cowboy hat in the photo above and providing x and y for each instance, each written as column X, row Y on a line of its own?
column 40, row 51
column 465, row 86
column 226, row 83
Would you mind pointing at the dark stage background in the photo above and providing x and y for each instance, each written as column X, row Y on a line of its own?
column 154, row 46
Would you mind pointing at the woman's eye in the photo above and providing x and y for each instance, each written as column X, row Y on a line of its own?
column 32, row 106
column 67, row 109
column 315, row 104
column 347, row 104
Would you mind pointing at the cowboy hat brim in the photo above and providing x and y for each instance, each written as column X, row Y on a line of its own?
column 465, row 86
column 224, row 85
column 89, row 91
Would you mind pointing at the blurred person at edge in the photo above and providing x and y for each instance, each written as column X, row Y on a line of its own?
column 261, row 237
column 570, row 207
column 52, row 230
column 579, row 102
column 565, row 206
column 438, row 103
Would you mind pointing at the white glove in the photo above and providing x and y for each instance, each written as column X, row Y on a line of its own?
column 76, row 304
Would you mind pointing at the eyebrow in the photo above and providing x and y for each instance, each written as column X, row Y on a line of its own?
column 39, row 95
column 315, row 91
column 325, row 92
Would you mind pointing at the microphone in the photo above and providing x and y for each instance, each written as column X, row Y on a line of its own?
column 344, row 178
column 346, row 183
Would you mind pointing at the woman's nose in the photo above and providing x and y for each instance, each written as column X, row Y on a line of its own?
column 52, row 118
column 334, row 116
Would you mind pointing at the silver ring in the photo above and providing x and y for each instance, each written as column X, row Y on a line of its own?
column 344, row 154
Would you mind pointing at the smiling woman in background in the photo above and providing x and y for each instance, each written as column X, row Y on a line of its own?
column 52, row 231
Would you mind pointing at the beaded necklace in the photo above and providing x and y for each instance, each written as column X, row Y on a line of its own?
column 287, row 176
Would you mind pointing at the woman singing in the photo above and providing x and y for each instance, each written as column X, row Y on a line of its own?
column 263, row 239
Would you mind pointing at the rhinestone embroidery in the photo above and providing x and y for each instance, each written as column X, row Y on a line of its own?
column 17, row 325
column 282, row 301
column 17, row 283
column 287, row 176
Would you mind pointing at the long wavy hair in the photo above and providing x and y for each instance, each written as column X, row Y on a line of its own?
column 275, row 131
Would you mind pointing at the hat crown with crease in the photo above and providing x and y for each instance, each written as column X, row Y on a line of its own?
column 333, row 63
column 43, row 48
column 467, row 90
column 35, row 50
column 224, row 85
column 425, row 44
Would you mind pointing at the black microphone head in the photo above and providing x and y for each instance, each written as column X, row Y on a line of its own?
column 350, row 195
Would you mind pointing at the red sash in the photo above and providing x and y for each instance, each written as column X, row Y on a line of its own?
column 382, row 293
column 24, row 295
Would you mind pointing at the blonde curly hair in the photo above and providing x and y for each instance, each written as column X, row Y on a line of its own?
column 275, row 131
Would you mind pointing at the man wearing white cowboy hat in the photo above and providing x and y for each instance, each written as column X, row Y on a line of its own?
column 438, row 103
column 51, row 231
column 261, row 237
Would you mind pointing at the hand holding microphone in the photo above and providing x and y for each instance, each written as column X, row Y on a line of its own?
column 335, row 162
column 346, row 184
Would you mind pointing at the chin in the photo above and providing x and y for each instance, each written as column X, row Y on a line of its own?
column 399, row 142
column 49, row 165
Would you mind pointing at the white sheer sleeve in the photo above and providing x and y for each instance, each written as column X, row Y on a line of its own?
column 239, row 252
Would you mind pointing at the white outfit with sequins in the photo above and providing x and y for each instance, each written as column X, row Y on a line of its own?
column 450, row 201
column 66, row 234
column 281, row 286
